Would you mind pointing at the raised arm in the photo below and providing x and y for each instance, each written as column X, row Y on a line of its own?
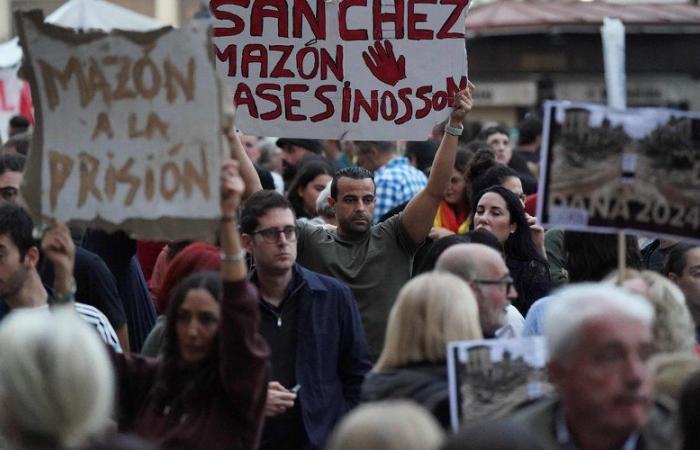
column 58, row 247
column 420, row 212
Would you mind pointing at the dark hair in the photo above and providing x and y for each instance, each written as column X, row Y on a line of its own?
column 356, row 173
column 496, row 129
column 519, row 244
column 12, row 162
column 528, row 129
column 462, row 160
column 201, row 382
column 305, row 175
column 482, row 161
column 688, row 410
column 676, row 259
column 19, row 121
column 592, row 256
column 16, row 223
column 423, row 152
column 438, row 247
column 381, row 146
column 258, row 205
column 495, row 175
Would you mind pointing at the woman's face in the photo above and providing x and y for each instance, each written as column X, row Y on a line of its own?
column 311, row 191
column 454, row 195
column 492, row 215
column 500, row 143
column 514, row 185
column 197, row 324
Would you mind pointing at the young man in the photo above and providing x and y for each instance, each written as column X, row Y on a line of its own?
column 20, row 284
column 312, row 325
column 375, row 261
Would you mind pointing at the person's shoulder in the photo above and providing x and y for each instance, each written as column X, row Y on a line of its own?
column 660, row 430
column 321, row 282
column 90, row 311
column 537, row 415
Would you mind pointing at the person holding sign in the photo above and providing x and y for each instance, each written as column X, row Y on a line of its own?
column 375, row 260
column 208, row 390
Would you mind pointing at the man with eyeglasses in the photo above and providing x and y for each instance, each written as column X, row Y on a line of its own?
column 487, row 274
column 312, row 325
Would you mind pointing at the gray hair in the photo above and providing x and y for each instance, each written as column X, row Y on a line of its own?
column 56, row 380
column 323, row 209
column 573, row 306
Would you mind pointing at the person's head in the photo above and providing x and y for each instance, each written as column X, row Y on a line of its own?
column 488, row 276
column 18, row 125
column 500, row 175
column 437, row 248
column 672, row 370
column 19, row 254
column 372, row 155
column 196, row 257
column 268, row 231
column 323, row 207
column 193, row 317
column 592, row 256
column 421, row 154
column 683, row 268
column 250, row 145
column 499, row 211
column 673, row 329
column 56, row 380
column 599, row 341
column 270, row 155
column 529, row 130
column 11, row 168
column 387, row 425
column 295, row 150
column 430, row 311
column 498, row 139
column 352, row 198
column 458, row 191
column 308, row 183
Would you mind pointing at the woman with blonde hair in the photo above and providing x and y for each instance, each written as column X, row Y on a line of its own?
column 430, row 311
column 673, row 329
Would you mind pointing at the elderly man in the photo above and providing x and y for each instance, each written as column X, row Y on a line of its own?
column 599, row 341
column 488, row 276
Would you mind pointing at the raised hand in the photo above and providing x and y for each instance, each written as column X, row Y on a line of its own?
column 58, row 247
column 462, row 104
column 382, row 62
column 232, row 188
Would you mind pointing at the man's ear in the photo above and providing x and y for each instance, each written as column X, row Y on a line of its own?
column 331, row 201
column 673, row 277
column 32, row 256
column 247, row 242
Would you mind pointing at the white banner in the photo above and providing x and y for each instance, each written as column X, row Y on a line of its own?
column 349, row 69
column 129, row 129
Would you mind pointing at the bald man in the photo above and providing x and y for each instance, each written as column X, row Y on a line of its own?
column 487, row 274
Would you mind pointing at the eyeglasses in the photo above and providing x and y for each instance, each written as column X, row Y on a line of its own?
column 507, row 282
column 272, row 234
column 8, row 193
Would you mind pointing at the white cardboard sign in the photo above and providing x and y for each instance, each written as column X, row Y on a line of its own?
column 128, row 128
column 350, row 69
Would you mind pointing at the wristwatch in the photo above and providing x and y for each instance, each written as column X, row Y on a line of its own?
column 454, row 131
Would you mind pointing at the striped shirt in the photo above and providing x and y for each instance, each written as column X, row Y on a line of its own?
column 94, row 317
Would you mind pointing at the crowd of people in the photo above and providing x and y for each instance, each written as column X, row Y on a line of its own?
column 320, row 319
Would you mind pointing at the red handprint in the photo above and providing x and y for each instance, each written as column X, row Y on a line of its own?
column 383, row 64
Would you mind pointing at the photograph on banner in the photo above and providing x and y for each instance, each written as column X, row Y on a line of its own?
column 490, row 378
column 128, row 129
column 608, row 170
column 341, row 69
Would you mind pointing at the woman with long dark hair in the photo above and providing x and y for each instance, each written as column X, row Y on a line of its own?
column 501, row 212
column 308, row 184
column 208, row 389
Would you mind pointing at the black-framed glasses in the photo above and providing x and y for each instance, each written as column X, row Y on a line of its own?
column 506, row 281
column 272, row 234
column 8, row 193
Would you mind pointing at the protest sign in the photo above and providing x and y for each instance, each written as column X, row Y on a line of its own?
column 608, row 170
column 489, row 378
column 128, row 129
column 351, row 69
